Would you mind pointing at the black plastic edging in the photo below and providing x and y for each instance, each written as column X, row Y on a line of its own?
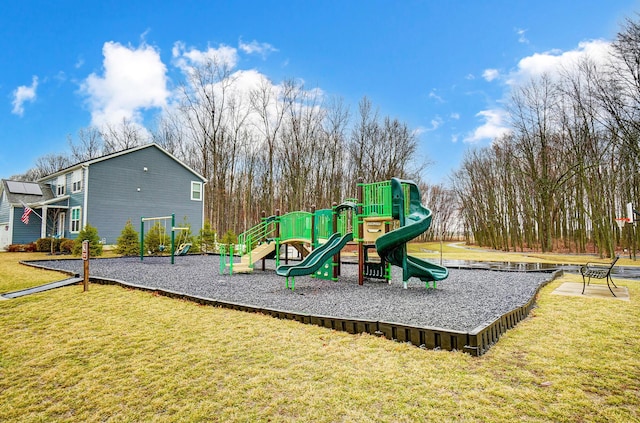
column 476, row 342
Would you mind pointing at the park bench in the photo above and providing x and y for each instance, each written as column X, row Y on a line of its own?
column 598, row 271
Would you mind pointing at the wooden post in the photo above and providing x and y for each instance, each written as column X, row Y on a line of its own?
column 360, row 233
column 85, row 260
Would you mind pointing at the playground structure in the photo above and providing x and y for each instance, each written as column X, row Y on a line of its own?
column 182, row 249
column 385, row 216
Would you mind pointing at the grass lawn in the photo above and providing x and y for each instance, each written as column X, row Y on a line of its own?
column 113, row 354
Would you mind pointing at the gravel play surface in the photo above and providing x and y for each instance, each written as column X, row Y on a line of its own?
column 465, row 300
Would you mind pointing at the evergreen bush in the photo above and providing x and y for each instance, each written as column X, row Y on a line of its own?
column 89, row 233
column 128, row 243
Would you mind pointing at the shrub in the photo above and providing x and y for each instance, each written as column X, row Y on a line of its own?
column 207, row 238
column 229, row 238
column 66, row 245
column 128, row 243
column 43, row 245
column 19, row 248
column 186, row 236
column 91, row 234
column 157, row 241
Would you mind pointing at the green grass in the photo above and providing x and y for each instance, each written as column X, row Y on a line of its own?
column 113, row 354
column 15, row 276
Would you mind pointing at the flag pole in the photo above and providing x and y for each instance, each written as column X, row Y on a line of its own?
column 32, row 210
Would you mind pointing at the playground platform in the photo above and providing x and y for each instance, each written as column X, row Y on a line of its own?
column 468, row 311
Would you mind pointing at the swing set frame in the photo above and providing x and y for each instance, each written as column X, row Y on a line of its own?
column 174, row 228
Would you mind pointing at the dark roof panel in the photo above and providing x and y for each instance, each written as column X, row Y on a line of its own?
column 19, row 187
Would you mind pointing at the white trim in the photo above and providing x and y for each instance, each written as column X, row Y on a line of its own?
column 11, row 217
column 61, row 224
column 71, row 220
column 202, row 221
column 63, row 185
column 121, row 153
column 193, row 184
column 43, row 223
column 39, row 204
column 85, row 204
column 76, row 177
column 10, row 223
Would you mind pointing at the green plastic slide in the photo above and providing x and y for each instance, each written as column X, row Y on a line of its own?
column 316, row 259
column 392, row 247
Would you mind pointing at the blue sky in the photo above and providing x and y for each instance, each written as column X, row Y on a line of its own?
column 444, row 67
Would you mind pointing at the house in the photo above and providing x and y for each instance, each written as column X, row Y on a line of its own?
column 105, row 192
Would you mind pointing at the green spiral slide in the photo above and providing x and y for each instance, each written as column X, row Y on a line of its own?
column 392, row 247
column 315, row 259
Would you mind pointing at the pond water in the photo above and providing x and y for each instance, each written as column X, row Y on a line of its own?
column 618, row 271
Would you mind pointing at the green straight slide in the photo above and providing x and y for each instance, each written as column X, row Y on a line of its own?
column 393, row 246
column 316, row 259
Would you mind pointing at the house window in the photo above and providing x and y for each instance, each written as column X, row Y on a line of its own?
column 60, row 185
column 76, row 181
column 196, row 191
column 75, row 219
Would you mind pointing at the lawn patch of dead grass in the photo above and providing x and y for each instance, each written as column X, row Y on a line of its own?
column 113, row 354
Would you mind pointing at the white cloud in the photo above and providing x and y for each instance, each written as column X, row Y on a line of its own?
column 493, row 127
column 23, row 94
column 186, row 59
column 254, row 47
column 455, row 116
column 552, row 62
column 521, row 36
column 490, row 74
column 134, row 79
column 435, row 96
column 435, row 124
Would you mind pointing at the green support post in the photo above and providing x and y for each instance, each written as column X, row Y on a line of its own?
column 222, row 260
column 173, row 237
column 360, row 232
column 277, row 238
column 141, row 238
column 335, row 264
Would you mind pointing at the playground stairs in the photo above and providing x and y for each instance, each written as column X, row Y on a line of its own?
column 302, row 249
column 258, row 253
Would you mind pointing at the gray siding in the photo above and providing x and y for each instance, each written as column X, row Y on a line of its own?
column 75, row 199
column 120, row 189
column 25, row 234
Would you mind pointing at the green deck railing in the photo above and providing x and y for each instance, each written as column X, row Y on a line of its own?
column 376, row 199
column 249, row 239
column 324, row 224
column 295, row 225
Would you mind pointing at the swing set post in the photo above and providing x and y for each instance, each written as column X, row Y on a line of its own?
column 173, row 237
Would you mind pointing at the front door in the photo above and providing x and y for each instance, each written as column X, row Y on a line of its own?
column 60, row 225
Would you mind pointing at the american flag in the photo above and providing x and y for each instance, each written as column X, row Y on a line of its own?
column 25, row 215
